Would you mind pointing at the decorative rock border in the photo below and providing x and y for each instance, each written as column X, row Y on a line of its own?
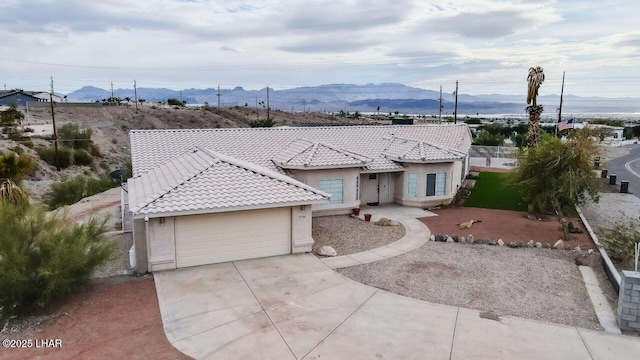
column 558, row 245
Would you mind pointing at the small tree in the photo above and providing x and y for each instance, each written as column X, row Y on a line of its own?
column 9, row 120
column 556, row 173
column 45, row 257
column 175, row 102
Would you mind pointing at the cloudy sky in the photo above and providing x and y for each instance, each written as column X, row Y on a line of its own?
column 488, row 46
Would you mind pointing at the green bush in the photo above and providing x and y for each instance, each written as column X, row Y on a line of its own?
column 66, row 192
column 48, row 155
column 620, row 241
column 82, row 157
column 175, row 102
column 70, row 190
column 71, row 136
column 262, row 123
column 46, row 257
column 15, row 167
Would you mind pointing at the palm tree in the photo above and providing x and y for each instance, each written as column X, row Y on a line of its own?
column 535, row 79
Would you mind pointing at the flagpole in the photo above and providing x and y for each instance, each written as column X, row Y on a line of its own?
column 560, row 109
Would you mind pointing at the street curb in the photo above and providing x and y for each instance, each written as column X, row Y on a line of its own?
column 607, row 264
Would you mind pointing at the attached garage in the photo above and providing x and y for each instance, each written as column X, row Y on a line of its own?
column 230, row 236
column 204, row 208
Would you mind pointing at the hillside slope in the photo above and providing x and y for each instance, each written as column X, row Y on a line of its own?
column 110, row 127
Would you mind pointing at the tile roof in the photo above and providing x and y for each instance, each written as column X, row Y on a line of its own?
column 152, row 148
column 406, row 150
column 201, row 181
column 305, row 154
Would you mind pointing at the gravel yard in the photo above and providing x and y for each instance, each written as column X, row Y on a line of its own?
column 348, row 235
column 539, row 284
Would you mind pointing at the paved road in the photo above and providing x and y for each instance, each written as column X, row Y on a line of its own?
column 628, row 168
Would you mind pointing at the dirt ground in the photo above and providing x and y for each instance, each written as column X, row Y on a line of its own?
column 116, row 318
column 506, row 225
column 349, row 235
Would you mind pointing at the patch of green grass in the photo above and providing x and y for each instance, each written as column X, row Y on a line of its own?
column 495, row 191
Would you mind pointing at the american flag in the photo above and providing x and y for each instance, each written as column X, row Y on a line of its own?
column 566, row 124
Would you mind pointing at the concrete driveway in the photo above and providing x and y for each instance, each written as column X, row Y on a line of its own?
column 295, row 307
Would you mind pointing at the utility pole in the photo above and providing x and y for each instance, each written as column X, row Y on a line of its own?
column 304, row 105
column 112, row 91
column 135, row 94
column 181, row 97
column 440, row 113
column 268, row 108
column 55, row 134
column 560, row 108
column 455, row 112
column 218, row 95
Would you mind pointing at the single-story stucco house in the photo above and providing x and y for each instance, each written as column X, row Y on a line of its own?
column 214, row 195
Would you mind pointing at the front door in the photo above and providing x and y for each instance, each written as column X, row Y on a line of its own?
column 370, row 188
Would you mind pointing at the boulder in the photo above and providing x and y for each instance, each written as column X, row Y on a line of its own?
column 455, row 238
column 513, row 245
column 590, row 251
column 383, row 221
column 449, row 239
column 577, row 249
column 470, row 239
column 463, row 240
column 548, row 246
column 500, row 242
column 478, row 241
column 530, row 244
column 327, row 251
column 539, row 245
column 559, row 245
column 490, row 241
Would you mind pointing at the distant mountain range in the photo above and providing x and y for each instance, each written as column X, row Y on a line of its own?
column 390, row 97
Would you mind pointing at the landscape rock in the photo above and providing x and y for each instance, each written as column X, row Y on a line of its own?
column 548, row 246
column 539, row 245
column 449, row 239
column 577, row 249
column 513, row 245
column 383, row 221
column 432, row 237
column 490, row 241
column 455, row 238
column 521, row 244
column 478, row 241
column 327, row 251
column 530, row 244
column 394, row 223
column 439, row 237
column 470, row 239
column 463, row 239
column 581, row 260
column 500, row 242
column 559, row 244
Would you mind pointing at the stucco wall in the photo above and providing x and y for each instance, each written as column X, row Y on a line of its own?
column 453, row 181
column 348, row 176
column 140, row 246
column 385, row 182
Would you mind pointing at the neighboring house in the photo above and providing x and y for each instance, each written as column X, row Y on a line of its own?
column 216, row 195
column 21, row 97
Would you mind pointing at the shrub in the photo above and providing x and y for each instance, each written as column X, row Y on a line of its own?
column 72, row 136
column 95, row 151
column 175, row 102
column 82, row 157
column 262, row 123
column 48, row 155
column 70, row 190
column 620, row 241
column 17, row 149
column 66, row 192
column 15, row 167
column 46, row 257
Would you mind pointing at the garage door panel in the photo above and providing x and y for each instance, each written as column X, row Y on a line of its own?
column 213, row 238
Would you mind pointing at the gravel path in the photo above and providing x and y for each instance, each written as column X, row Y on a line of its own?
column 348, row 235
column 537, row 284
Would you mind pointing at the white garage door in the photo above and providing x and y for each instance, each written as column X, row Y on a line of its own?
column 239, row 235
